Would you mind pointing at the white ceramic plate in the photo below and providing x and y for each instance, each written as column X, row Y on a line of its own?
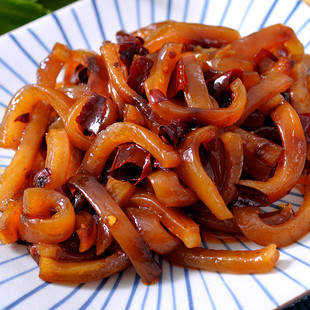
column 86, row 24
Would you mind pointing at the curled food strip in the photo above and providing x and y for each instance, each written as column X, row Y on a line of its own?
column 60, row 253
column 161, row 71
column 207, row 220
column 196, row 92
column 22, row 103
column 104, row 237
column 58, row 157
column 111, row 59
column 234, row 164
column 81, row 141
column 86, row 230
column 86, row 68
column 263, row 149
column 265, row 90
column 120, row 133
column 152, row 232
column 145, row 31
column 291, row 164
column 51, row 66
column 75, row 132
column 193, row 175
column 284, row 65
column 256, row 169
column 283, row 234
column 118, row 223
column 9, row 222
column 121, row 191
column 174, row 220
column 220, row 117
column 299, row 92
column 133, row 115
column 123, row 93
column 117, row 99
column 15, row 175
column 279, row 216
column 227, row 64
column 81, row 272
column 267, row 38
column 174, row 195
column 255, row 261
column 190, row 33
column 217, row 159
column 38, row 225
column 270, row 104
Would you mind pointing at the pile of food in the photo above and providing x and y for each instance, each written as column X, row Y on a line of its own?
column 132, row 152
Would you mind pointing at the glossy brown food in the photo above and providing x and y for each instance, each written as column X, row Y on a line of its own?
column 133, row 152
column 119, row 225
column 255, row 261
column 37, row 224
column 86, row 271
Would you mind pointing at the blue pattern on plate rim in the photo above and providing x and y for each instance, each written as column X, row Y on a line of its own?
column 113, row 290
column 97, row 290
column 19, row 275
column 91, row 295
column 57, row 21
column 268, row 14
column 27, row 295
column 119, row 14
column 36, row 37
column 292, row 12
column 7, row 91
column 204, row 11
column 225, row 12
column 13, row 71
column 26, row 53
column 99, row 20
column 245, row 14
column 62, row 301
column 80, row 27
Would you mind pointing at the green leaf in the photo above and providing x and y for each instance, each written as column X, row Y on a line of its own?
column 15, row 13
